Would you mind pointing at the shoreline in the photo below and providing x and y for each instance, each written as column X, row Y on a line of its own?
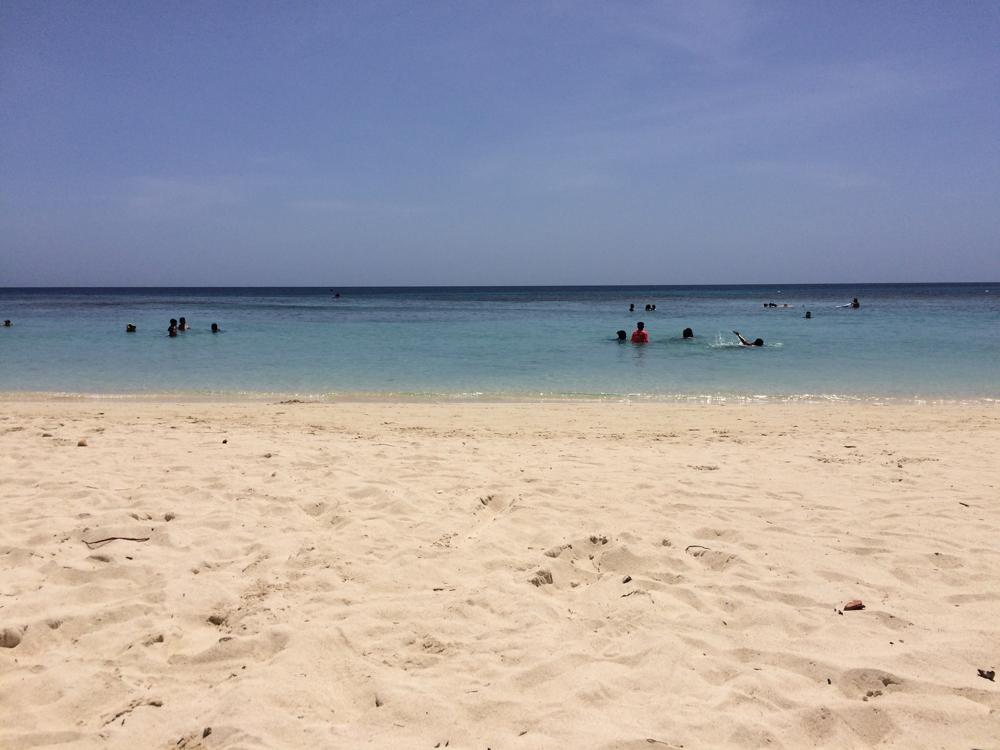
column 488, row 397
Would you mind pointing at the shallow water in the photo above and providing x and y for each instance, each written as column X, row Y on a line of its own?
column 906, row 341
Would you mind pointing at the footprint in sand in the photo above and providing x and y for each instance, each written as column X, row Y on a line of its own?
column 716, row 560
column 541, row 578
column 868, row 683
column 11, row 637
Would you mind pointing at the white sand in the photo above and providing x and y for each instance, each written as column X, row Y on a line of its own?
column 369, row 568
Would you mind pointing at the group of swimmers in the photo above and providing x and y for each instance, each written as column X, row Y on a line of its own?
column 853, row 304
column 649, row 308
column 175, row 326
column 641, row 336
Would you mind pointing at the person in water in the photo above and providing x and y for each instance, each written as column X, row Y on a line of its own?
column 688, row 333
column 744, row 342
column 183, row 325
column 808, row 315
column 130, row 328
column 7, row 324
column 631, row 308
column 172, row 331
column 215, row 328
column 622, row 336
column 640, row 335
column 855, row 304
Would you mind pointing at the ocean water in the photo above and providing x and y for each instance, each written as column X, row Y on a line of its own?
column 923, row 341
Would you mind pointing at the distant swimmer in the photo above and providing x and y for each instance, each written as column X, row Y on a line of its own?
column 808, row 315
column 130, row 328
column 172, row 331
column 7, row 324
column 631, row 308
column 855, row 304
column 640, row 335
column 622, row 336
column 648, row 308
column 653, row 308
column 215, row 328
column 688, row 333
column 744, row 342
column 182, row 326
column 173, row 323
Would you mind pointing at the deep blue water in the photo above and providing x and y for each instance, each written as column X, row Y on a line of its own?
column 906, row 340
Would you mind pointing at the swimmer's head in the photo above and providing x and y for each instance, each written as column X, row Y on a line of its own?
column 621, row 335
column 215, row 327
column 640, row 325
column 758, row 342
column 688, row 333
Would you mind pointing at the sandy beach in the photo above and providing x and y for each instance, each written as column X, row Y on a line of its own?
column 562, row 575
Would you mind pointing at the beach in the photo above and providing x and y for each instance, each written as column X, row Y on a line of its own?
column 184, row 574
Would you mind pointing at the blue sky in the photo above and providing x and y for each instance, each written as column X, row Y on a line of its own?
column 464, row 142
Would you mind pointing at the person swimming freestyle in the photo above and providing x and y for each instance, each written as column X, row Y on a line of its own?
column 744, row 342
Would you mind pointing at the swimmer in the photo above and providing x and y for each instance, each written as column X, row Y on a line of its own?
column 173, row 324
column 130, row 328
column 808, row 315
column 182, row 326
column 215, row 328
column 688, row 333
column 640, row 335
column 744, row 342
column 631, row 308
column 622, row 335
column 172, row 331
column 7, row 324
column 855, row 304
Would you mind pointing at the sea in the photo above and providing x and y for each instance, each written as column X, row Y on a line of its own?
column 910, row 342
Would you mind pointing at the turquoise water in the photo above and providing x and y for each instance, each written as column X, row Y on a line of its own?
column 906, row 341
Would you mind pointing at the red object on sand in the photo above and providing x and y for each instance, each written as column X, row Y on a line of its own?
column 854, row 604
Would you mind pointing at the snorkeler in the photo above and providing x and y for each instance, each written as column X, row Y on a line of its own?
column 744, row 342
column 640, row 335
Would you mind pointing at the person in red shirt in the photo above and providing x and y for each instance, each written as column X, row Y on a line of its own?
column 639, row 335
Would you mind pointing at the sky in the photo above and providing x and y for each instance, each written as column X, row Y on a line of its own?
column 442, row 142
